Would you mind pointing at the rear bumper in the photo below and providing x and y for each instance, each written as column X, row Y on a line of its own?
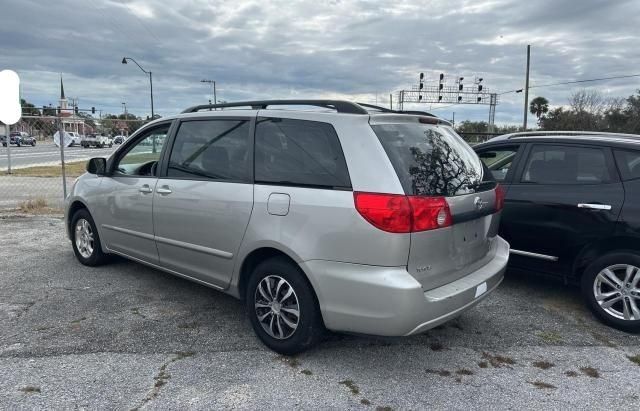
column 388, row 301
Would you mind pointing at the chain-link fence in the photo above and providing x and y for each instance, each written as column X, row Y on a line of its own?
column 31, row 171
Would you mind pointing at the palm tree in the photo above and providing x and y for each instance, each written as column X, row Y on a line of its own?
column 539, row 106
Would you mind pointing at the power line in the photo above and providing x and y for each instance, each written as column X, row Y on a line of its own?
column 572, row 82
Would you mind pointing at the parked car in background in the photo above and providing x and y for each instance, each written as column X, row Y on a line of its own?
column 19, row 138
column 76, row 138
column 119, row 139
column 96, row 140
column 572, row 209
column 361, row 220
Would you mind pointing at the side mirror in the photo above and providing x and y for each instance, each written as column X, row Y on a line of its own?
column 97, row 165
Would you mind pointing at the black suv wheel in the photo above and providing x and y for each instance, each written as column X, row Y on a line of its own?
column 283, row 308
column 611, row 287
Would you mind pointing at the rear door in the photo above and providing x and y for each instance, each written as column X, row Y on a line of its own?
column 563, row 197
column 432, row 160
column 204, row 198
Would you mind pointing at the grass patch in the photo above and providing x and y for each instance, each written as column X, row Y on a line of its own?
column 72, row 169
column 30, row 389
column 355, row 390
column 442, row 373
column 464, row 371
column 550, row 337
column 571, row 373
column 306, row 372
column 498, row 361
column 483, row 364
column 590, row 371
column 543, row 365
column 541, row 385
column 365, row 401
column 634, row 359
column 33, row 205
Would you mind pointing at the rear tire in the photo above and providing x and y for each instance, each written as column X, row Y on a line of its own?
column 282, row 307
column 85, row 240
column 611, row 288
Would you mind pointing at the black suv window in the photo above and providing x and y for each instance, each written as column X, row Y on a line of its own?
column 299, row 152
column 499, row 161
column 212, row 149
column 555, row 164
column 628, row 164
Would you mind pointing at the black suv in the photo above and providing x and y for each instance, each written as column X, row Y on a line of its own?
column 572, row 208
column 19, row 139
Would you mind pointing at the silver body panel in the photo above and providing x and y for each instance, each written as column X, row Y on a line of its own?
column 366, row 280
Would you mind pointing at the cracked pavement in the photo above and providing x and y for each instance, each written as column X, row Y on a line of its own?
column 125, row 336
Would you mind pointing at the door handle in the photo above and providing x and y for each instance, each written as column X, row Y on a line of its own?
column 145, row 189
column 595, row 206
column 164, row 190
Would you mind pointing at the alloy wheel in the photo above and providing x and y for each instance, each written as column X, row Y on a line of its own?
column 84, row 238
column 617, row 290
column 276, row 306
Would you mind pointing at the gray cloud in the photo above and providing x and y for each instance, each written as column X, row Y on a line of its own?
column 279, row 49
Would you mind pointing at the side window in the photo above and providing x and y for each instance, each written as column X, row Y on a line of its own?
column 499, row 161
column 299, row 152
column 628, row 164
column 212, row 149
column 141, row 157
column 552, row 164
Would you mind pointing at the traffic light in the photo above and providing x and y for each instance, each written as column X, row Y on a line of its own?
column 441, row 86
column 441, row 76
column 459, row 98
column 421, row 86
column 419, row 98
column 439, row 98
column 93, row 110
column 75, row 110
column 460, row 87
column 479, row 99
column 479, row 87
column 421, row 76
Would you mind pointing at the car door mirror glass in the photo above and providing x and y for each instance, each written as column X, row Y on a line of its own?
column 97, row 165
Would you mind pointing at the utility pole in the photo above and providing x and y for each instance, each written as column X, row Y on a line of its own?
column 213, row 84
column 526, row 90
column 8, row 140
column 391, row 101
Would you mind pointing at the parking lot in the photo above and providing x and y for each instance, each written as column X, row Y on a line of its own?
column 126, row 336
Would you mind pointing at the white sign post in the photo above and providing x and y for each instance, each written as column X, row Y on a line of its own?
column 10, row 110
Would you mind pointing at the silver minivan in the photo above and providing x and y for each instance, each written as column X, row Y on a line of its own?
column 319, row 214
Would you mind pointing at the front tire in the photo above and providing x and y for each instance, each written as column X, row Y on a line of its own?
column 85, row 240
column 283, row 308
column 611, row 288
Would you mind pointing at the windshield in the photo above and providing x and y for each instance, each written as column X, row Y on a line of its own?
column 430, row 159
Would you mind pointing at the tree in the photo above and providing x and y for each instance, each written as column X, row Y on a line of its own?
column 539, row 107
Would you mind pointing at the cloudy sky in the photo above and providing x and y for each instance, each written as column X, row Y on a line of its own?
column 312, row 49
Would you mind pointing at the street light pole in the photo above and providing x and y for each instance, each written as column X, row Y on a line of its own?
column 124, row 61
column 213, row 84
column 526, row 90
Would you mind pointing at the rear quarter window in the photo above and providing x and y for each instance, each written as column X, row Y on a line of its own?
column 628, row 163
column 299, row 152
column 430, row 160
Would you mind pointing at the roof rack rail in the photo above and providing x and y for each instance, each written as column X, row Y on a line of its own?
column 566, row 133
column 340, row 106
column 387, row 110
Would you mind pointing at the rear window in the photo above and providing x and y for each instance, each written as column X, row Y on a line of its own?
column 299, row 152
column 430, row 160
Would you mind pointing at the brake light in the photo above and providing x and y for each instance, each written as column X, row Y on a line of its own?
column 499, row 197
column 388, row 212
column 429, row 213
column 403, row 214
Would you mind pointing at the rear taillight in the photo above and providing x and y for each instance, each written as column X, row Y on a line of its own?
column 499, row 197
column 429, row 213
column 403, row 214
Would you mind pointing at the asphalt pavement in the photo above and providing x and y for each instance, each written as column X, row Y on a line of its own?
column 124, row 336
column 47, row 153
